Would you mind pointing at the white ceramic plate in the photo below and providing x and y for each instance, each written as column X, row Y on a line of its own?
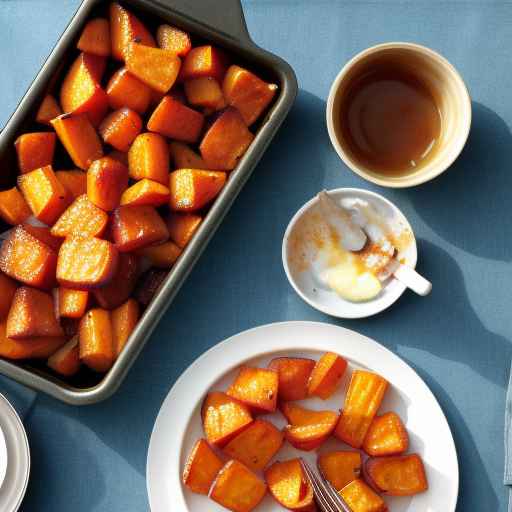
column 178, row 424
column 298, row 252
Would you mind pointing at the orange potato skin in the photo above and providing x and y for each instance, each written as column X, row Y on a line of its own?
column 174, row 39
column 161, row 255
column 326, row 375
column 13, row 207
column 204, row 61
column 146, row 192
column 70, row 303
column 7, row 290
column 182, row 227
column 124, row 319
column 35, row 150
column 66, row 361
column 125, row 90
column 386, row 436
column 107, row 179
column 340, row 467
column 74, row 181
column 96, row 343
column 205, row 92
column 184, row 157
column 361, row 498
column 293, row 377
column 148, row 157
column 120, row 128
column 256, row 387
column 48, row 110
column 95, row 38
column 201, row 468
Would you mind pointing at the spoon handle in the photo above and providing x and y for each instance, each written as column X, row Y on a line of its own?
column 413, row 280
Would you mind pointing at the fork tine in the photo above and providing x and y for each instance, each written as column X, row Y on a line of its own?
column 335, row 496
column 325, row 504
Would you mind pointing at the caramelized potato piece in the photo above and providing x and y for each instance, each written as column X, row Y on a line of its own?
column 161, row 255
column 185, row 157
column 70, row 303
column 7, row 290
column 135, row 227
column 362, row 402
column 95, row 38
column 246, row 92
column 204, row 61
column 191, row 189
column 237, row 488
column 173, row 39
column 86, row 262
column 120, row 128
column 124, row 319
column 360, row 498
column 289, row 486
column 201, row 468
column 25, row 258
column 13, row 207
column 326, row 375
column 44, row 235
column 226, row 141
column 35, row 150
column 176, row 121
column 148, row 285
column 79, row 138
column 340, row 468
column 148, row 157
column 48, row 110
column 125, row 90
column 182, row 227
column 66, row 360
column 107, row 179
column 223, row 418
column 205, row 92
column 256, row 387
column 96, row 343
column 255, row 445
column 294, row 374
column 386, row 436
column 74, row 182
column 145, row 192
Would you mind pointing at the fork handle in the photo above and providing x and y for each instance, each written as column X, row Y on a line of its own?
column 416, row 282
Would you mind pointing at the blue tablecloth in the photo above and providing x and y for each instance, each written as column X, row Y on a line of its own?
column 458, row 339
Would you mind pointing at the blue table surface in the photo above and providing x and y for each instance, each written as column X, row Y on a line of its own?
column 458, row 339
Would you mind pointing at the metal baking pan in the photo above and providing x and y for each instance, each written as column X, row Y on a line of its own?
column 220, row 22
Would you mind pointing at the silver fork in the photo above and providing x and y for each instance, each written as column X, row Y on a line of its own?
column 326, row 495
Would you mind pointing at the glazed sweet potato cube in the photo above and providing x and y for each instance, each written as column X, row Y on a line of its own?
column 74, row 181
column 35, row 150
column 148, row 157
column 148, row 285
column 176, row 121
column 79, row 138
column 86, row 262
column 364, row 396
column 326, row 375
column 204, row 92
column 32, row 314
column 48, row 110
column 191, row 189
column 95, row 340
column 107, row 179
column 66, row 360
column 246, row 92
column 201, row 468
column 223, row 418
column 7, row 290
column 340, row 468
column 13, row 207
column 125, row 90
column 161, row 255
column 174, row 39
column 386, row 436
column 226, row 141
column 120, row 128
column 289, row 486
column 184, row 157
column 294, row 375
column 155, row 67
column 44, row 235
column 70, row 303
column 182, row 227
column 25, row 258
column 256, row 387
column 124, row 319
column 237, row 488
column 255, row 445
column 204, row 61
column 135, row 227
column 145, row 192
column 126, row 28
column 360, row 498
column 122, row 284
column 95, row 37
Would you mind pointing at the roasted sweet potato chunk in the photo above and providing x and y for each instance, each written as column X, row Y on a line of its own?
column 360, row 498
column 13, row 207
column 43, row 234
column 95, row 37
column 86, row 262
column 326, row 375
column 48, row 110
column 161, row 255
column 96, row 342
column 125, row 90
column 148, row 157
column 74, row 182
column 289, row 486
column 184, row 157
column 135, row 227
column 145, row 192
column 223, row 418
column 176, row 121
column 124, row 319
column 256, row 387
column 182, row 227
column 70, row 303
column 191, row 189
column 107, row 179
column 294, row 375
column 66, row 360
column 120, row 128
column 204, row 61
column 35, row 150
column 205, row 92
column 255, row 445
column 237, row 488
column 340, row 468
column 386, row 436
column 362, row 402
column 174, row 39
column 27, row 259
column 7, row 290
column 226, row 141
column 79, row 138
column 148, row 285
column 201, row 468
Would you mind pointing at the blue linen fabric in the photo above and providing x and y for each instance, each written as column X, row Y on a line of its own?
column 92, row 459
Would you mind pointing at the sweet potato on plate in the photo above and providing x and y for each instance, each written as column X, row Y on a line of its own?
column 205, row 92
column 95, row 37
column 74, row 181
column 201, row 468
column 289, row 486
column 126, row 90
column 66, row 360
column 256, row 387
column 70, row 303
column 326, row 375
column 294, row 375
column 204, row 61
column 182, row 227
column 223, row 418
column 48, row 110
column 13, row 207
column 107, row 179
column 174, row 39
column 96, row 342
column 146, row 192
column 148, row 157
column 237, row 488
column 7, row 290
column 386, row 436
column 361, row 498
column 120, row 128
column 124, row 319
column 340, row 467
column 161, row 255
column 364, row 396
column 184, row 157
column 35, row 150
column 255, row 445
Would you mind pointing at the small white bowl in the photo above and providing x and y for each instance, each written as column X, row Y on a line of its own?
column 298, row 252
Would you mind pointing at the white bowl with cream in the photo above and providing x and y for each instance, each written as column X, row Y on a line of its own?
column 305, row 262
